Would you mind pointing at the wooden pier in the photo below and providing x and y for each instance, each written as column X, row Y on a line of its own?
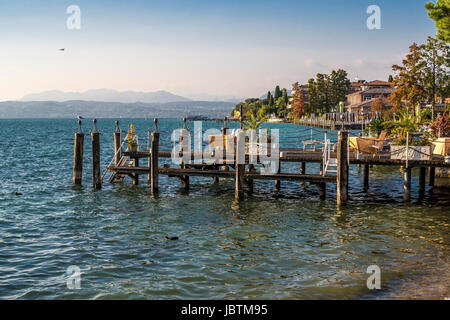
column 242, row 170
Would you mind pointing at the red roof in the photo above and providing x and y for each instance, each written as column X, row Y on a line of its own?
column 378, row 83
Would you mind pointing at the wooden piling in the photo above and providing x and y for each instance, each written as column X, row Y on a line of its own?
column 322, row 186
column 303, row 168
column 366, row 176
column 239, row 165
column 406, row 184
column 342, row 168
column 432, row 175
column 135, row 177
column 278, row 182
column 117, row 144
column 154, row 150
column 422, row 174
column 78, row 158
column 184, row 179
column 95, row 137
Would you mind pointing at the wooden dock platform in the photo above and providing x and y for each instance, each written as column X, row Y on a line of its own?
column 127, row 163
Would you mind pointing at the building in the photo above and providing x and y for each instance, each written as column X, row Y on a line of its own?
column 366, row 93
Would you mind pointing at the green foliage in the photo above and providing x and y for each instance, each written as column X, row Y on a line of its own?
column 391, row 78
column 407, row 123
column 425, row 115
column 375, row 127
column 440, row 13
column 441, row 126
column 326, row 91
column 277, row 93
column 254, row 122
column 284, row 95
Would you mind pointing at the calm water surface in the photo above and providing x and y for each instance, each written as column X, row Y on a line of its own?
column 286, row 245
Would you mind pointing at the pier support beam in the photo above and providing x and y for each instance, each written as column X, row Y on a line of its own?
column 117, row 144
column 322, row 186
column 303, row 168
column 422, row 174
column 78, row 157
column 154, row 150
column 366, row 176
column 342, row 168
column 278, row 182
column 184, row 147
column 95, row 137
column 250, row 183
column 135, row 176
column 406, row 184
column 239, row 165
column 432, row 175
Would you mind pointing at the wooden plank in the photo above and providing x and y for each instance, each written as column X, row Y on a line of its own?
column 78, row 147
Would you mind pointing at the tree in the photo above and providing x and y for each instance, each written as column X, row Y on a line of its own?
column 298, row 101
column 339, row 86
column 269, row 95
column 390, row 79
column 377, row 106
column 313, row 98
column 440, row 13
column 284, row 95
column 277, row 93
column 408, row 84
column 435, row 56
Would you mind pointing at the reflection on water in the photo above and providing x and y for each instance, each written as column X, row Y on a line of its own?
column 285, row 245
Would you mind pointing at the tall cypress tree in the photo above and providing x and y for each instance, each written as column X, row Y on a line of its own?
column 277, row 93
column 268, row 96
column 284, row 95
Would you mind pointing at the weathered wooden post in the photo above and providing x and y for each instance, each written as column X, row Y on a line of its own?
column 303, row 168
column 406, row 184
column 95, row 137
column 78, row 147
column 241, row 117
column 117, row 145
column 342, row 168
column 278, row 182
column 366, row 176
column 423, row 171
column 154, row 159
column 239, row 165
column 184, row 179
column 432, row 175
column 322, row 186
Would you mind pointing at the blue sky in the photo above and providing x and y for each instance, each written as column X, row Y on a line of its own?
column 221, row 47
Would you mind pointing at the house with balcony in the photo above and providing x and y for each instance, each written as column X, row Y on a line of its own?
column 361, row 101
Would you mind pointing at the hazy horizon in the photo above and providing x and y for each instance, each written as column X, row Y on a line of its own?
column 220, row 48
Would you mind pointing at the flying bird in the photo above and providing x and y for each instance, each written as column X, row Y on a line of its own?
column 80, row 117
column 62, row 49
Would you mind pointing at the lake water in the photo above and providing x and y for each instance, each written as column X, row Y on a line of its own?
column 286, row 245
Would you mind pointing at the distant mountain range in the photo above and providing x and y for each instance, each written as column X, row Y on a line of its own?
column 106, row 95
column 105, row 109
